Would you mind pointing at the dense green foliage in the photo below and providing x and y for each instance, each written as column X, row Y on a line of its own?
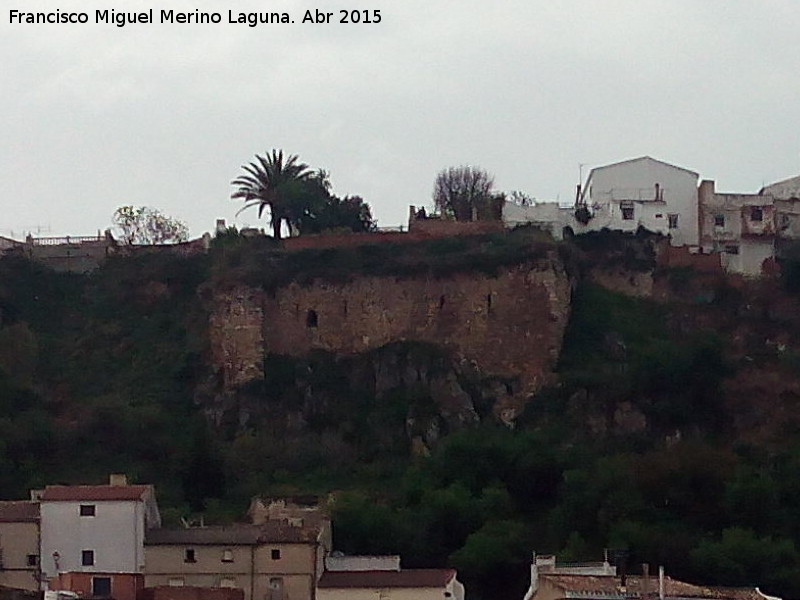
column 637, row 447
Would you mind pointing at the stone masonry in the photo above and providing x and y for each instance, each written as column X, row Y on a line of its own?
column 510, row 325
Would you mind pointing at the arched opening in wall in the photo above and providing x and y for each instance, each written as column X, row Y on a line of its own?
column 441, row 302
column 567, row 232
column 489, row 302
column 312, row 319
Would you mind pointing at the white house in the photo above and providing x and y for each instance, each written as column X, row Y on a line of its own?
column 643, row 192
column 547, row 216
column 92, row 536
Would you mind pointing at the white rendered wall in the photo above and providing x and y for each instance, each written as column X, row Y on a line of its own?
column 635, row 181
column 115, row 534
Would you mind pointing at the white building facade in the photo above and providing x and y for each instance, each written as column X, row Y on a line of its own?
column 93, row 530
column 643, row 192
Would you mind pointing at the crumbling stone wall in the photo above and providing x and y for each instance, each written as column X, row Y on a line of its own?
column 510, row 325
column 235, row 331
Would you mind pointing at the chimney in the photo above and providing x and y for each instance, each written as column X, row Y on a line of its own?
column 661, row 583
column 117, row 479
column 645, row 579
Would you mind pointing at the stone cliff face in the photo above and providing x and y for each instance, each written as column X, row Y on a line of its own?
column 508, row 326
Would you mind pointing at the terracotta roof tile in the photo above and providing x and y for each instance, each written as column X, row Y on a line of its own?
column 16, row 511
column 410, row 578
column 638, row 586
column 99, row 493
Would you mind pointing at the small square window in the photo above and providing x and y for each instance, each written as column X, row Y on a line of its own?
column 87, row 510
column 227, row 556
column 87, row 558
column 276, row 554
column 673, row 220
column 33, row 560
column 719, row 220
column 732, row 249
column 176, row 582
column 756, row 213
column 189, row 556
column 627, row 212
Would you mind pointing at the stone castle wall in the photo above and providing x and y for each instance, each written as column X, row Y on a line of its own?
column 235, row 332
column 510, row 325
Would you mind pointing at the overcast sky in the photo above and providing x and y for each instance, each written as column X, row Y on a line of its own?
column 95, row 116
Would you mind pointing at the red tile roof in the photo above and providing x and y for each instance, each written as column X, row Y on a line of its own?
column 19, row 511
column 410, row 578
column 635, row 585
column 99, row 493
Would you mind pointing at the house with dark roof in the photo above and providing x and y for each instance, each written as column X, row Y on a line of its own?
column 92, row 537
column 278, row 558
column 370, row 577
column 19, row 544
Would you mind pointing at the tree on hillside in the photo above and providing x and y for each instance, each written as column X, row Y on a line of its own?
column 350, row 213
column 148, row 226
column 275, row 183
column 465, row 193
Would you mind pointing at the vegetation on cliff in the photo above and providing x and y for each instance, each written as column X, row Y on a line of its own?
column 672, row 432
column 261, row 262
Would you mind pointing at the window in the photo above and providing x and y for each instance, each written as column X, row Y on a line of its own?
column 188, row 555
column 176, row 582
column 732, row 249
column 312, row 320
column 673, row 220
column 33, row 560
column 227, row 556
column 101, row 587
column 87, row 510
column 756, row 213
column 627, row 211
column 227, row 582
column 719, row 220
column 87, row 558
column 276, row 554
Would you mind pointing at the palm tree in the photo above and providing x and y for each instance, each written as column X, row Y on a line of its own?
column 271, row 183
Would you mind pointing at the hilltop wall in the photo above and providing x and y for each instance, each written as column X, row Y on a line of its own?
column 510, row 325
